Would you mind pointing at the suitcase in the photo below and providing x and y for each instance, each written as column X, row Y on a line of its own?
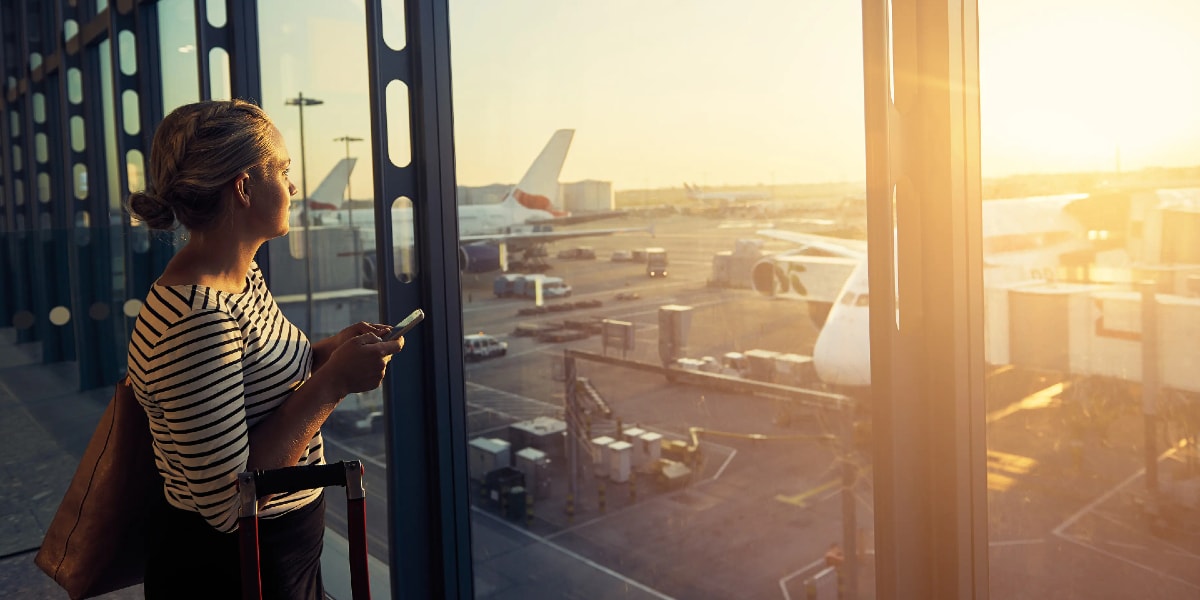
column 253, row 485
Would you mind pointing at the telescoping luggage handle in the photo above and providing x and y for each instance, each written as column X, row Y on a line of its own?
column 253, row 485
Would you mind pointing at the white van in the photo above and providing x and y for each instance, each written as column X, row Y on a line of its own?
column 479, row 346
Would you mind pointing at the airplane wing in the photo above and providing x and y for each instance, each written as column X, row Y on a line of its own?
column 543, row 237
column 831, row 246
column 576, row 219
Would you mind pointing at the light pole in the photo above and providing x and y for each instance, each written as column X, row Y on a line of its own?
column 349, row 197
column 300, row 101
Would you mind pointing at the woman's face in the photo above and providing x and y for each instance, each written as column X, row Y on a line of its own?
column 271, row 190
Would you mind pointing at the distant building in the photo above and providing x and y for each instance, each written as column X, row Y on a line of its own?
column 587, row 196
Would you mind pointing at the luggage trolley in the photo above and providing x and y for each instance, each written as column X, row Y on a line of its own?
column 253, row 485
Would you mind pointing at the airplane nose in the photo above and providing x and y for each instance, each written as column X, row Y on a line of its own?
column 842, row 352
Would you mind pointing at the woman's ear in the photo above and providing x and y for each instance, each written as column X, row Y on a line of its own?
column 241, row 188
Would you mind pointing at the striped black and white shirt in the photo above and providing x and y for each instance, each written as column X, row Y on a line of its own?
column 206, row 366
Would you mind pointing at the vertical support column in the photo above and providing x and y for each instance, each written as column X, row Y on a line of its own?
column 145, row 257
column 10, row 281
column 38, row 243
column 96, row 316
column 924, row 243
column 426, row 440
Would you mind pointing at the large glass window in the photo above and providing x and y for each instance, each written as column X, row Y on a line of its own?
column 659, row 206
column 1090, row 137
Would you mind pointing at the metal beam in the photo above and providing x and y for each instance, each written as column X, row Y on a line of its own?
column 426, row 434
column 923, row 222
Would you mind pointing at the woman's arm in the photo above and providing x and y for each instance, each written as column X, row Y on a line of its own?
column 356, row 366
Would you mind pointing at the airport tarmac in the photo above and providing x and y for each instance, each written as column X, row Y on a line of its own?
column 1067, row 497
column 1065, row 511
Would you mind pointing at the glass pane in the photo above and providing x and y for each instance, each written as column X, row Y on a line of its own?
column 128, row 50
column 399, row 144
column 43, row 187
column 70, row 29
column 78, row 140
column 680, row 204
column 1089, row 141
column 314, row 86
column 41, row 149
column 39, row 108
column 74, row 85
column 393, row 24
column 131, row 120
column 80, row 180
column 135, row 168
column 177, row 32
column 218, row 73
column 216, row 14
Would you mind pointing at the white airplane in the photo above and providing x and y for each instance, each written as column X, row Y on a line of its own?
column 525, row 219
column 1024, row 239
column 726, row 198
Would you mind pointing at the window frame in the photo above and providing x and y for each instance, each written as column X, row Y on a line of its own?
column 921, row 77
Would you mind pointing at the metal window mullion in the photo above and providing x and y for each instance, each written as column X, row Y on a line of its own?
column 142, row 267
column 9, row 279
column 208, row 38
column 428, row 504
column 96, row 334
column 245, row 77
column 59, row 344
column 32, row 250
column 19, row 286
column 926, row 343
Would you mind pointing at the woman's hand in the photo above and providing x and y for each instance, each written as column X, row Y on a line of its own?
column 359, row 364
column 324, row 348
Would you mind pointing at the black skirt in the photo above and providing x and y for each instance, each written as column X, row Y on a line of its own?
column 187, row 558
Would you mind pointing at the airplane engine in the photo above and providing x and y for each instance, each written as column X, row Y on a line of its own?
column 768, row 278
column 370, row 273
column 479, row 258
column 771, row 277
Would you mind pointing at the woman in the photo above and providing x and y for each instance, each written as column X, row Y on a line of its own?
column 228, row 383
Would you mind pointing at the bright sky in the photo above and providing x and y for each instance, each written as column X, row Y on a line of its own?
column 738, row 93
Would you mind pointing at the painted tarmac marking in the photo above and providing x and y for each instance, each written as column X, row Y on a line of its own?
column 583, row 559
column 1016, row 543
column 801, row 498
column 805, row 569
column 1060, row 531
column 510, row 395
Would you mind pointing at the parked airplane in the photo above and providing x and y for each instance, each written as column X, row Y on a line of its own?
column 522, row 222
column 726, row 198
column 1023, row 239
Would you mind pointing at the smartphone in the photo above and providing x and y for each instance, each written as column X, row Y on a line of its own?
column 404, row 326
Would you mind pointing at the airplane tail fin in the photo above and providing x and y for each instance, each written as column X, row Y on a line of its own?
column 541, row 180
column 330, row 193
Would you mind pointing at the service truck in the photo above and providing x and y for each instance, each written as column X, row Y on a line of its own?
column 552, row 287
column 656, row 262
